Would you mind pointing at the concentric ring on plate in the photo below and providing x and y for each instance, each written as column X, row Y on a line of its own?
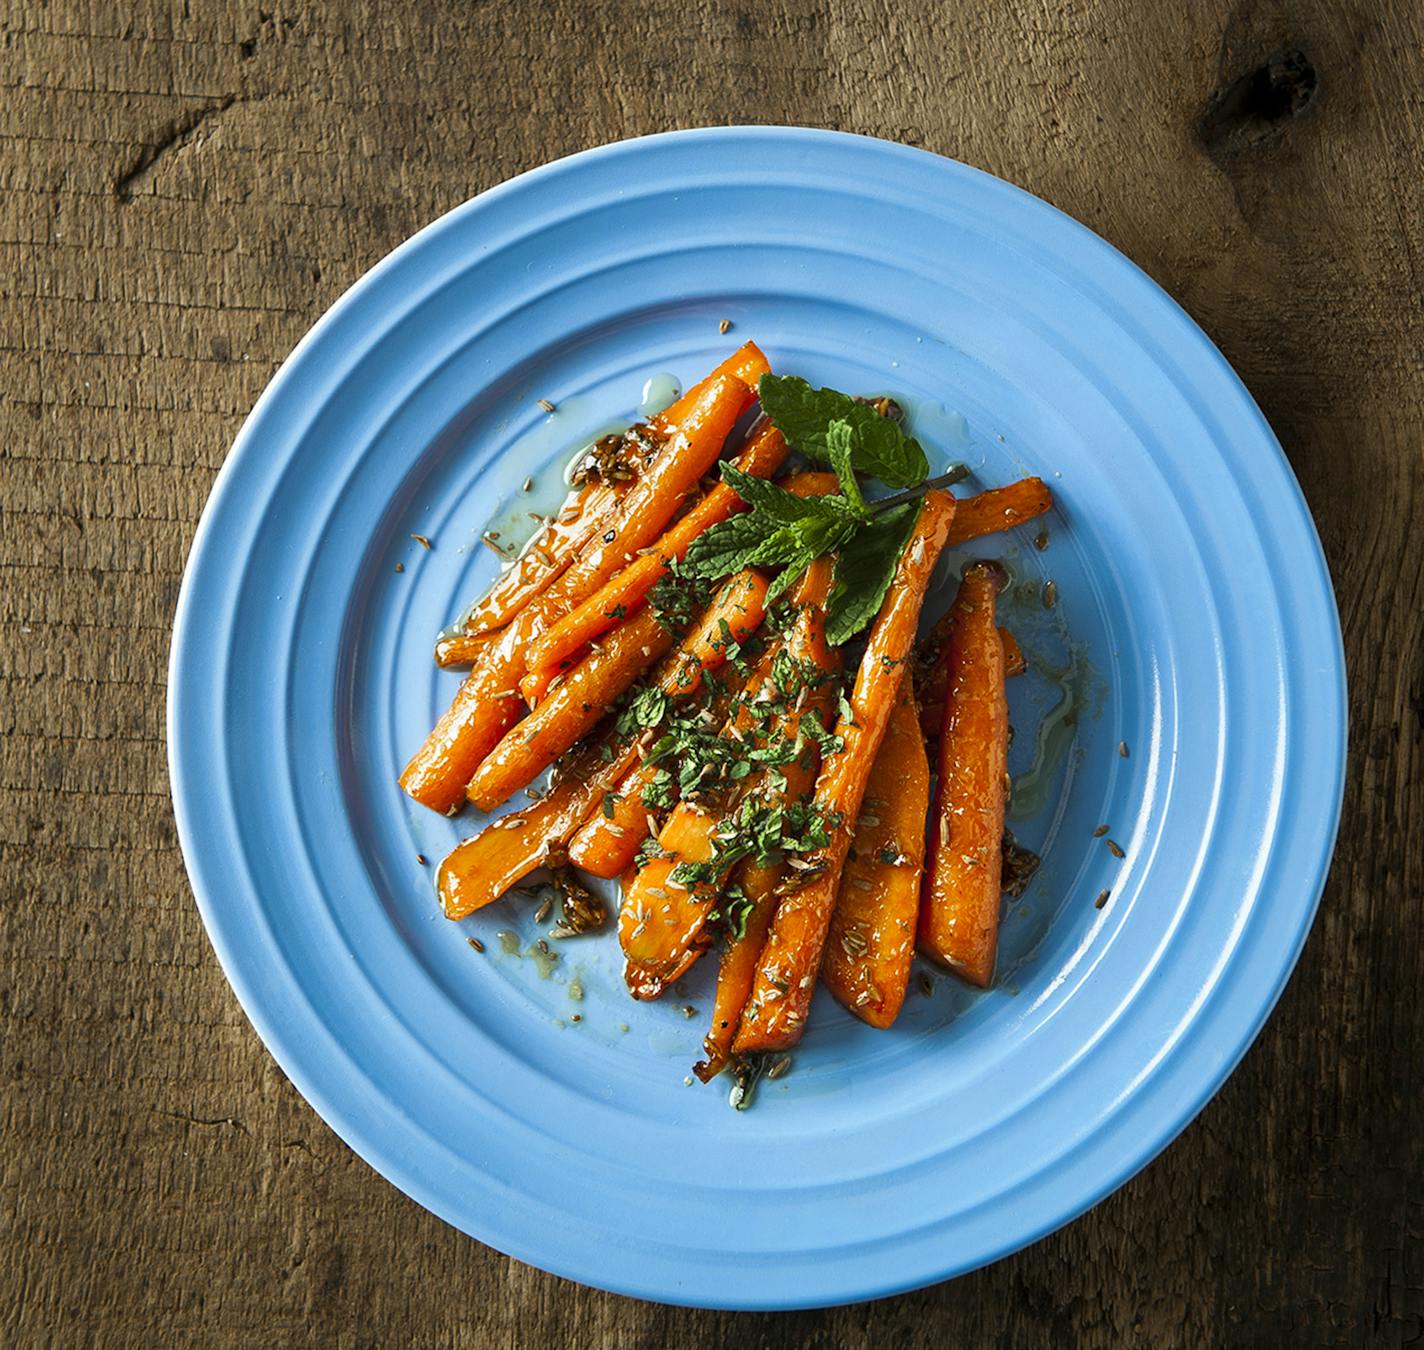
column 1187, row 565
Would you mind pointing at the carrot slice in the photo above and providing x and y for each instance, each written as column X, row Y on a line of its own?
column 871, row 945
column 998, row 509
column 775, row 1015
column 762, row 885
column 959, row 917
column 608, row 840
column 626, row 590
column 746, row 364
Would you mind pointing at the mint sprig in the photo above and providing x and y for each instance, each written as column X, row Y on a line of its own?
column 787, row 533
column 881, row 447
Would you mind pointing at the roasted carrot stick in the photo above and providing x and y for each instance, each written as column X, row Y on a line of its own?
column 590, row 507
column 587, row 693
column 761, row 884
column 660, row 925
column 570, row 712
column 746, row 364
column 936, row 673
column 487, row 705
column 871, row 945
column 461, row 649
column 625, row 591
column 483, row 868
column 608, row 840
column 546, row 556
column 775, row 1015
column 485, row 708
column 959, row 915
column 998, row 509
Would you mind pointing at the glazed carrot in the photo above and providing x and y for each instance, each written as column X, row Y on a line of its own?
column 546, row 556
column 625, row 591
column 761, row 884
column 936, row 673
column 959, row 915
column 998, row 509
column 487, row 705
column 660, row 925
column 484, row 867
column 570, row 712
column 484, row 710
column 608, row 840
column 746, row 364
column 591, row 688
column 461, row 649
column 590, row 507
column 871, row 944
column 775, row 1015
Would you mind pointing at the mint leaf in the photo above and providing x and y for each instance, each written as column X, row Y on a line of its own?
column 804, row 415
column 840, row 450
column 864, row 568
column 727, row 547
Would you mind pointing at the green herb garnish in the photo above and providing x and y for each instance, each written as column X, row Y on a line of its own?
column 787, row 533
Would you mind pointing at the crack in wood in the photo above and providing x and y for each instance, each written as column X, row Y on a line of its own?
column 180, row 134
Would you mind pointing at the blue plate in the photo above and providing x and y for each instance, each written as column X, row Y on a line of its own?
column 1194, row 629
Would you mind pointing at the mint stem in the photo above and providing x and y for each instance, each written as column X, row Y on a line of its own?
column 910, row 494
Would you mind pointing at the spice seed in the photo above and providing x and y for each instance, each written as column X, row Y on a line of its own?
column 1040, row 541
column 1100, row 831
column 926, row 984
column 421, row 540
column 1115, row 849
column 688, row 1010
column 528, row 485
column 543, row 911
column 476, row 944
column 1122, row 748
column 1050, row 594
column 780, row 1067
column 400, row 567
column 724, row 325
column 1101, row 900
column 421, row 859
column 546, row 405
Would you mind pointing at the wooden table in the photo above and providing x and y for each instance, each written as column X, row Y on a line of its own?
column 187, row 186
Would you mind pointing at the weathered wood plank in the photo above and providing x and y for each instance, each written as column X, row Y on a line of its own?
column 188, row 186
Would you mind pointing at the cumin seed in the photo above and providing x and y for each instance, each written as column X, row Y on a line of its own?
column 546, row 405
column 400, row 567
column 1115, row 848
column 1122, row 748
column 421, row 859
column 543, row 911
column 1050, row 595
column 1100, row 831
column 528, row 485
column 422, row 540
column 724, row 325
column 780, row 1067
column 1102, row 899
column 476, row 944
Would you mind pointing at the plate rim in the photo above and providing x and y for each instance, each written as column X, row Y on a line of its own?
column 367, row 1143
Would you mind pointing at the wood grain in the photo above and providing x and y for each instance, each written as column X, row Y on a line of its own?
column 187, row 186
